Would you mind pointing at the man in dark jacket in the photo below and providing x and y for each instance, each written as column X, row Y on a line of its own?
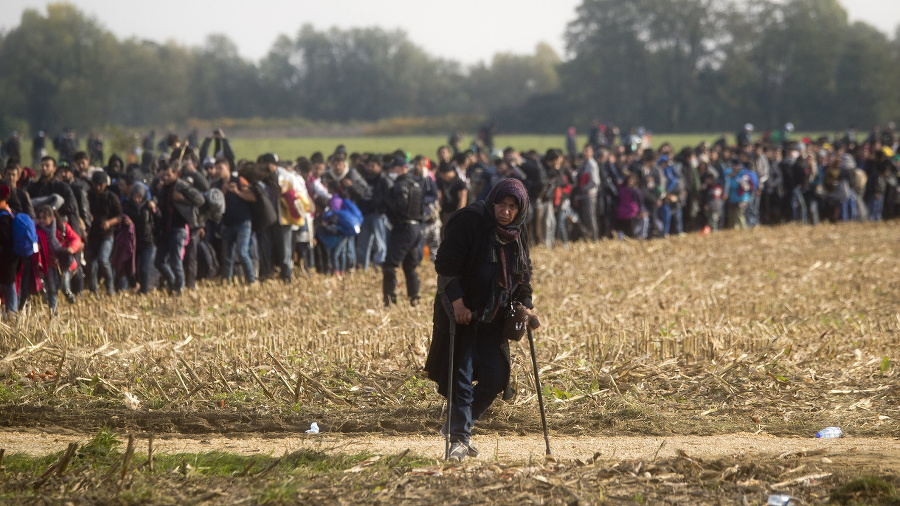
column 237, row 220
column 107, row 211
column 48, row 185
column 177, row 202
column 370, row 243
column 269, row 247
column 535, row 180
column 139, row 209
column 196, row 179
column 404, row 205
column 19, row 199
column 80, row 189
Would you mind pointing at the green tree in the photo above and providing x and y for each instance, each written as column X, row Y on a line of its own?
column 813, row 34
column 62, row 66
column 865, row 79
column 511, row 79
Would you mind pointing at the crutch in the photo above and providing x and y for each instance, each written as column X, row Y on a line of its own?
column 534, row 322
column 449, row 308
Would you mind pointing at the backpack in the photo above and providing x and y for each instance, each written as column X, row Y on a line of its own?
column 262, row 211
column 294, row 207
column 24, row 235
column 213, row 207
column 406, row 200
column 207, row 261
column 349, row 219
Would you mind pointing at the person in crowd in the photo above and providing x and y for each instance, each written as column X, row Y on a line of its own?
column 38, row 148
column 671, row 209
column 484, row 270
column 431, row 220
column 106, row 213
column 405, row 209
column 762, row 170
column 344, row 183
column 555, row 198
column 631, row 215
column 95, row 148
column 737, row 191
column 453, row 191
column 294, row 207
column 237, row 220
column 535, row 180
column 11, row 149
column 650, row 184
column 587, row 190
column 713, row 202
column 48, row 189
column 314, row 184
column 610, row 180
column 80, row 189
column 142, row 213
column 444, row 156
column 177, row 202
column 304, row 240
column 58, row 244
column 19, row 199
column 371, row 242
column 571, row 142
column 9, row 261
column 83, row 166
column 197, row 230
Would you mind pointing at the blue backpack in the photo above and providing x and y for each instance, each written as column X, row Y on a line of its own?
column 24, row 235
column 349, row 219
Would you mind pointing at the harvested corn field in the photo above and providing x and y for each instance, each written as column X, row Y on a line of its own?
column 772, row 332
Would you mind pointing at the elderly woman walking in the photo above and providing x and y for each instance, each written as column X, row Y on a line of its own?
column 484, row 274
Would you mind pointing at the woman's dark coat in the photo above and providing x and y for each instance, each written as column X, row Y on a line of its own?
column 466, row 264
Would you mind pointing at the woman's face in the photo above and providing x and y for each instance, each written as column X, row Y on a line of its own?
column 45, row 220
column 506, row 210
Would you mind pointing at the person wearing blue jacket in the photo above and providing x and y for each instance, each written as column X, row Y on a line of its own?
column 738, row 189
column 672, row 199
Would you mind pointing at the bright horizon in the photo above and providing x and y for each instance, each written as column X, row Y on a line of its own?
column 496, row 26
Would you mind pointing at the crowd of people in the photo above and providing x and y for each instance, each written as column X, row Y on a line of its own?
column 190, row 210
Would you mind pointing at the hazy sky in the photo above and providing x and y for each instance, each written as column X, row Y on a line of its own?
column 491, row 26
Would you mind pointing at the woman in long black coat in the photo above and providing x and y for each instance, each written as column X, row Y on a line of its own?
column 483, row 268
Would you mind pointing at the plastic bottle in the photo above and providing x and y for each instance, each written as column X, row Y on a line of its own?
column 830, row 432
column 779, row 500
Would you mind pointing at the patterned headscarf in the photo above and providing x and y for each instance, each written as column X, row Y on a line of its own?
column 512, row 249
column 514, row 188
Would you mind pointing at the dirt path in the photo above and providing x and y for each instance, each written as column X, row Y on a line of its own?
column 884, row 451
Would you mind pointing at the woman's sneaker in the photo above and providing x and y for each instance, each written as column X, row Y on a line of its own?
column 458, row 451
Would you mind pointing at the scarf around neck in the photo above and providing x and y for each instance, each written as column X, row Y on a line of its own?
column 506, row 234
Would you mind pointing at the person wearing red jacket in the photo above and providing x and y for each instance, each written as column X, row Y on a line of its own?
column 58, row 244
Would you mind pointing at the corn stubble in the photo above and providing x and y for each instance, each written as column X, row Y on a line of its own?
column 775, row 329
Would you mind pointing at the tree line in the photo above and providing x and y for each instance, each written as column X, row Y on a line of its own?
column 671, row 65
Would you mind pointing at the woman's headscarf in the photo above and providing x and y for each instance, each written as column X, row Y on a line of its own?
column 509, row 237
column 139, row 188
column 514, row 188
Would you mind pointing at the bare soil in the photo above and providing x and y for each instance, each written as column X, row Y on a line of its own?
column 725, row 469
column 883, row 453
